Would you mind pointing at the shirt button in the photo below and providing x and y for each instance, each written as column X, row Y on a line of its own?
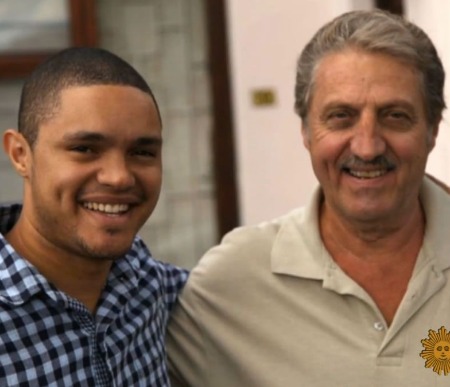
column 379, row 326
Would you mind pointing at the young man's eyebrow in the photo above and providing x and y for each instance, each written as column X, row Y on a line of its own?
column 151, row 140
column 87, row 136
column 84, row 136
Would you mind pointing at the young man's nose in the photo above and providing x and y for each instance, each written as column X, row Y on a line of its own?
column 115, row 172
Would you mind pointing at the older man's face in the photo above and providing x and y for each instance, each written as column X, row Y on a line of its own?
column 367, row 135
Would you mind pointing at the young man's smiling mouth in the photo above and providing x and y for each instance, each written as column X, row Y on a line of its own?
column 107, row 208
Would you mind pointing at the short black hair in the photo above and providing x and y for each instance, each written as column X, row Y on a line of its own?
column 76, row 66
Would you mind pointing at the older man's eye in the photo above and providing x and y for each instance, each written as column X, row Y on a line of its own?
column 339, row 115
column 398, row 115
column 339, row 119
column 81, row 149
column 398, row 119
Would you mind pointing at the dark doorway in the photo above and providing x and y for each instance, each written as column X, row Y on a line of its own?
column 223, row 136
column 394, row 6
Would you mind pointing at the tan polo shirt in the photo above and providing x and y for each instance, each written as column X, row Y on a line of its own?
column 270, row 308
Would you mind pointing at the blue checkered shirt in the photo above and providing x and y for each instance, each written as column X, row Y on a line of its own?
column 50, row 339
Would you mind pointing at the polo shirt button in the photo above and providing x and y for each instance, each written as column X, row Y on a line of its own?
column 379, row 326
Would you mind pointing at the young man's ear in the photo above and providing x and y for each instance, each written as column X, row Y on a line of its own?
column 18, row 150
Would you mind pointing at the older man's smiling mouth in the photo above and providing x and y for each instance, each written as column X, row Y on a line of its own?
column 366, row 174
column 372, row 169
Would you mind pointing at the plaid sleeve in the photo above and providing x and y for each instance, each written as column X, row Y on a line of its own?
column 175, row 278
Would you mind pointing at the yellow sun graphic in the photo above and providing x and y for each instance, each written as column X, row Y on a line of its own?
column 437, row 351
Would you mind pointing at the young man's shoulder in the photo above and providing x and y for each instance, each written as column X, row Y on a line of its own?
column 168, row 278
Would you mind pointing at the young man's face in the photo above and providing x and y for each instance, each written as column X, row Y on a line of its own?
column 367, row 135
column 95, row 171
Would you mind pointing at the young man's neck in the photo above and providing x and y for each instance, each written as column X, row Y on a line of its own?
column 80, row 277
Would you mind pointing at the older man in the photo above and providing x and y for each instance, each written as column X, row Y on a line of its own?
column 353, row 289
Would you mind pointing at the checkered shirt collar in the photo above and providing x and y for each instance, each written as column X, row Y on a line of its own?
column 20, row 280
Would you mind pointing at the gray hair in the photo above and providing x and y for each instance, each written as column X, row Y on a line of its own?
column 374, row 31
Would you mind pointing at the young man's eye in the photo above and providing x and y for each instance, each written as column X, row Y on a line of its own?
column 144, row 153
column 81, row 149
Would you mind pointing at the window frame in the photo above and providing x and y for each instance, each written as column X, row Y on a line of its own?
column 83, row 32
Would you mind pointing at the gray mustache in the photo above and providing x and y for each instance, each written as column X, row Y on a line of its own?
column 381, row 162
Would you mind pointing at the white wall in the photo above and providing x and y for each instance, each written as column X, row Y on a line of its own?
column 266, row 37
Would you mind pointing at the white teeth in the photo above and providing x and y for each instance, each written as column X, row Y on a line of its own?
column 367, row 174
column 107, row 208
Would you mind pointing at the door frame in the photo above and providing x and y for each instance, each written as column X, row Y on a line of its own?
column 223, row 143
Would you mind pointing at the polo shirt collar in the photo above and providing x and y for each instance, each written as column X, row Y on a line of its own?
column 298, row 249
column 436, row 244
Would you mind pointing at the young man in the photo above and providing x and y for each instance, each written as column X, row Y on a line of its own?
column 345, row 291
column 82, row 302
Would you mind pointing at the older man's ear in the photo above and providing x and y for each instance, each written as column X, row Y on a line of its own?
column 440, row 183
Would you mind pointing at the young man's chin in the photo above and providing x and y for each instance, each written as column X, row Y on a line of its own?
column 99, row 254
column 107, row 248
